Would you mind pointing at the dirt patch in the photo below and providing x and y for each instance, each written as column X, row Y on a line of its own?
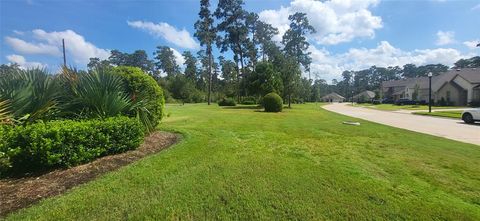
column 22, row 192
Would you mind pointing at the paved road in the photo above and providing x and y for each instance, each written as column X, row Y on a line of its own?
column 442, row 127
column 433, row 110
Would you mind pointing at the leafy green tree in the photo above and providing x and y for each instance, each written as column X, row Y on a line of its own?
column 231, row 16
column 290, row 73
column 473, row 62
column 117, row 57
column 295, row 40
column 206, row 34
column 229, row 74
column 264, row 79
column 190, row 66
column 96, row 63
column 251, row 22
column 182, row 88
column 166, row 61
column 138, row 58
column 203, row 73
column 303, row 90
column 264, row 33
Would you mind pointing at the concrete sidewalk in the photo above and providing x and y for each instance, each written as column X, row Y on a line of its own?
column 447, row 128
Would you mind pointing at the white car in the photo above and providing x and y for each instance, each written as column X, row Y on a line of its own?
column 471, row 115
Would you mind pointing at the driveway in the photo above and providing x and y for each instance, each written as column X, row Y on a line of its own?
column 441, row 127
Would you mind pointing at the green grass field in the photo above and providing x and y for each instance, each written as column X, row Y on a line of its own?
column 392, row 107
column 448, row 114
column 303, row 163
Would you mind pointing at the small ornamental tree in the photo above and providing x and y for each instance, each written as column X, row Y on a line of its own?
column 272, row 102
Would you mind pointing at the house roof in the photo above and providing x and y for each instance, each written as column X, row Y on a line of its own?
column 367, row 94
column 333, row 95
column 470, row 74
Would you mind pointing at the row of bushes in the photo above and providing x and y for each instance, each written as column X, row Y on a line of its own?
column 33, row 95
column 227, row 102
column 65, row 143
column 272, row 102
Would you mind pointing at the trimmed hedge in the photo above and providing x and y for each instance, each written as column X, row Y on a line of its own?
column 142, row 86
column 227, row 102
column 43, row 146
column 272, row 102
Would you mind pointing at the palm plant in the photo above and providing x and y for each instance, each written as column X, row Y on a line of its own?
column 98, row 94
column 4, row 111
column 32, row 94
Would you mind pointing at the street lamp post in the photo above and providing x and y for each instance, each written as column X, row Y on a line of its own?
column 430, row 92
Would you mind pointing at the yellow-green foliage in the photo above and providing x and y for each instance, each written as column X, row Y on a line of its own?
column 143, row 87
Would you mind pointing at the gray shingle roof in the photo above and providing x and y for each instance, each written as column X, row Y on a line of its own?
column 367, row 94
column 333, row 95
column 470, row 74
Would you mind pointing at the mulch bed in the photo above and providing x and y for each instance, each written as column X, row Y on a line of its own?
column 17, row 193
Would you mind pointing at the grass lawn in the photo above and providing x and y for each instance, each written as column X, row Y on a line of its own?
column 392, row 107
column 448, row 114
column 303, row 163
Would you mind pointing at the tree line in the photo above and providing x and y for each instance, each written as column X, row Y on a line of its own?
column 259, row 65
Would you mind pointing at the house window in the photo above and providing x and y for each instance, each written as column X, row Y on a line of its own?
column 448, row 96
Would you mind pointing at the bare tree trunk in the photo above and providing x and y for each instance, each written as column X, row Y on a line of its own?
column 241, row 66
column 263, row 53
column 209, row 51
column 289, row 100
column 238, row 81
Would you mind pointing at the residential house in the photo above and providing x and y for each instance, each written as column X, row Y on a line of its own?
column 332, row 97
column 364, row 96
column 454, row 87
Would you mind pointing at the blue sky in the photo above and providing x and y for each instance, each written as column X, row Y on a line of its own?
column 351, row 34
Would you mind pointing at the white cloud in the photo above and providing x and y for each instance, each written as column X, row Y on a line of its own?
column 472, row 44
column 24, row 47
column 445, row 37
column 330, row 66
column 180, row 38
column 76, row 46
column 17, row 32
column 24, row 64
column 335, row 21
column 50, row 43
column 178, row 57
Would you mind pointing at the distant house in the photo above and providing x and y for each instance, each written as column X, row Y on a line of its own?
column 332, row 97
column 364, row 96
column 454, row 87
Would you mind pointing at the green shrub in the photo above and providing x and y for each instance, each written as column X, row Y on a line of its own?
column 227, row 102
column 143, row 88
column 249, row 100
column 5, row 163
column 272, row 102
column 43, row 146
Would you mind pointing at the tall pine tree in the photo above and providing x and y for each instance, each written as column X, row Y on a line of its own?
column 206, row 33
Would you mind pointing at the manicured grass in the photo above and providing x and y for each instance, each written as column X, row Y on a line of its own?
column 303, row 163
column 448, row 114
column 392, row 107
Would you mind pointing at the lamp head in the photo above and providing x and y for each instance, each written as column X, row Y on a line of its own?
column 430, row 74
